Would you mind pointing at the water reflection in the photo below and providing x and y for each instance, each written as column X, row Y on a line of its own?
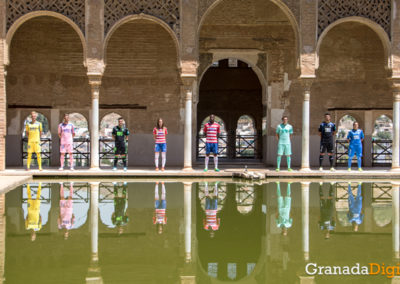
column 226, row 231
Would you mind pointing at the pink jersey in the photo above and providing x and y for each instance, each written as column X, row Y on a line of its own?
column 66, row 131
column 161, row 135
column 160, row 217
column 211, row 131
column 211, row 220
column 66, row 212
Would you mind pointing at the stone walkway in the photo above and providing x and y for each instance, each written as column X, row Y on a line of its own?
column 10, row 182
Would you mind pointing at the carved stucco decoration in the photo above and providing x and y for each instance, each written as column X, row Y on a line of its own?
column 378, row 11
column 73, row 9
column 166, row 10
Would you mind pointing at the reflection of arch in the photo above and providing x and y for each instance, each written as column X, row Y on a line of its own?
column 383, row 127
column 80, row 123
column 382, row 214
column 245, row 199
column 140, row 17
column 380, row 32
column 345, row 125
column 45, row 124
column 31, row 15
column 246, row 125
column 107, row 123
column 285, row 9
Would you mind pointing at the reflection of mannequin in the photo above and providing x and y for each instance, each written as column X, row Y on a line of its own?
column 160, row 206
column 355, row 207
column 33, row 220
column 327, row 220
column 283, row 219
column 120, row 217
column 211, row 222
column 66, row 218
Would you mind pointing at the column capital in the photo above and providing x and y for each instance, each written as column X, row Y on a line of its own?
column 188, row 84
column 306, row 82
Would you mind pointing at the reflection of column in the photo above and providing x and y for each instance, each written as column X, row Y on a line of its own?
column 305, row 202
column 305, row 135
column 95, row 82
column 94, row 273
column 396, row 220
column 396, row 126
column 2, row 235
column 187, row 210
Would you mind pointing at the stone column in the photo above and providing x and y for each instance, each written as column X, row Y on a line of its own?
column 188, row 87
column 94, row 273
column 305, row 207
column 95, row 82
column 305, row 135
column 396, row 220
column 3, row 96
column 396, row 126
column 187, row 211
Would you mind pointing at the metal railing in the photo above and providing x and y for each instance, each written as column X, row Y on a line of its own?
column 246, row 146
column 106, row 151
column 222, row 146
column 381, row 152
column 342, row 153
column 45, row 145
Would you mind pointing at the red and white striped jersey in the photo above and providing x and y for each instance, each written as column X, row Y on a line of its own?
column 211, row 131
column 160, row 217
column 161, row 135
column 211, row 220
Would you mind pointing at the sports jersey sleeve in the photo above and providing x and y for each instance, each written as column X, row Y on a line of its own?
column 349, row 136
column 154, row 131
column 291, row 130
column 127, row 132
column 27, row 129
column 219, row 129
column 40, row 127
column 334, row 128
column 59, row 129
column 205, row 129
column 114, row 132
column 277, row 130
column 166, row 131
column 320, row 128
column 73, row 129
column 362, row 134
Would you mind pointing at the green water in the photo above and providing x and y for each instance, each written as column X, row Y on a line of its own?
column 258, row 235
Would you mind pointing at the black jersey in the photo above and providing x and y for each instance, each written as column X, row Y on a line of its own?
column 120, row 134
column 327, row 130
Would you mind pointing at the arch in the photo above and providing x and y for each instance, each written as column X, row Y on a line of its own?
column 285, row 9
column 246, row 125
column 380, row 32
column 345, row 124
column 383, row 128
column 218, row 119
column 20, row 21
column 141, row 16
column 45, row 124
column 255, row 68
column 107, row 123
column 80, row 123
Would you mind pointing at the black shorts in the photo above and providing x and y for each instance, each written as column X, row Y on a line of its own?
column 326, row 147
column 120, row 150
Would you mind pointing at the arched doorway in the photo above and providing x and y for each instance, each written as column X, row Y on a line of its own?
column 342, row 147
column 382, row 141
column 228, row 89
column 106, row 150
column 81, row 140
column 45, row 141
column 46, row 73
column 222, row 142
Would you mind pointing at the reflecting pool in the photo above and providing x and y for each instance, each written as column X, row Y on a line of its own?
column 200, row 232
